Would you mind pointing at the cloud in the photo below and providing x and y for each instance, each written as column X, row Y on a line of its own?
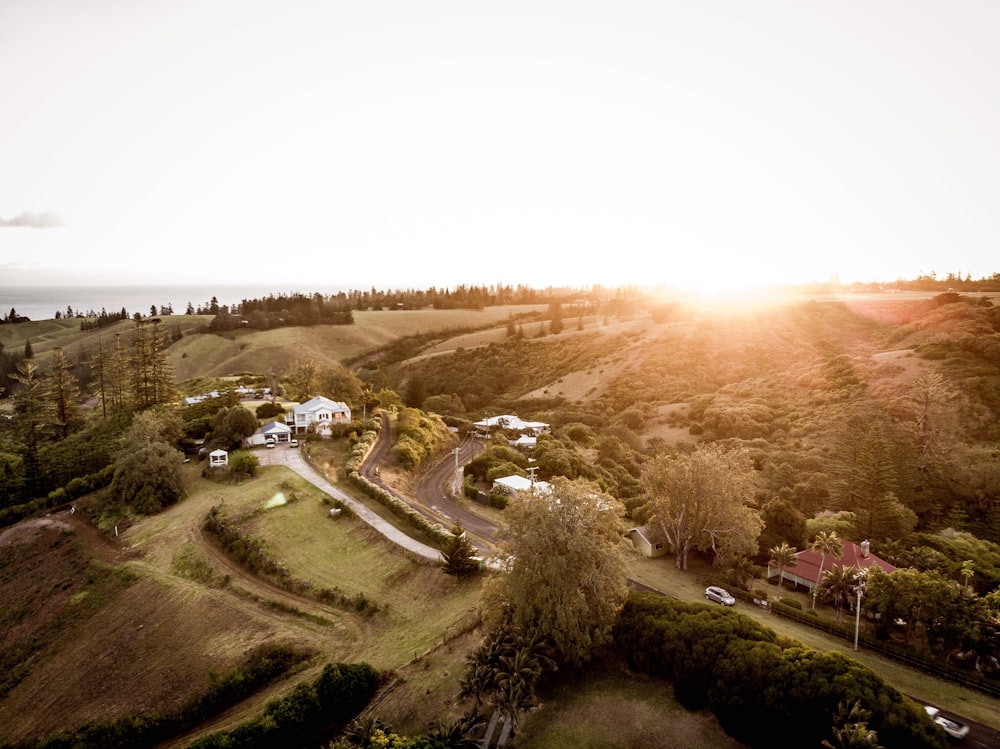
column 45, row 220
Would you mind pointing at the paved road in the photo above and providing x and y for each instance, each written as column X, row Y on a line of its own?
column 292, row 458
column 434, row 495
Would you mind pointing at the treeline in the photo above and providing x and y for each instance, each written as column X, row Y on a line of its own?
column 284, row 311
column 103, row 320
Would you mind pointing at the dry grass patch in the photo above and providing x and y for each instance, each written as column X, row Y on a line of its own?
column 616, row 709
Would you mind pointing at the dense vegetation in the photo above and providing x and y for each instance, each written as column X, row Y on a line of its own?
column 872, row 419
column 759, row 685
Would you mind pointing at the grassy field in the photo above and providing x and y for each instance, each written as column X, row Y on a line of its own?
column 240, row 351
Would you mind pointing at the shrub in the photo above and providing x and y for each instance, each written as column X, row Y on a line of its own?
column 269, row 410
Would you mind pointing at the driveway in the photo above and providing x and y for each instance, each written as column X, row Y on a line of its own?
column 292, row 458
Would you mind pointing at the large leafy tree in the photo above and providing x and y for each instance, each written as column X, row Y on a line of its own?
column 700, row 500
column 564, row 574
column 147, row 475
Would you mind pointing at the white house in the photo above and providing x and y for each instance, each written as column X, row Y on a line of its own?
column 516, row 484
column 274, row 429
column 319, row 413
column 531, row 428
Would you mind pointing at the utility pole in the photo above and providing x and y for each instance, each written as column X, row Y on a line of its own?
column 458, row 476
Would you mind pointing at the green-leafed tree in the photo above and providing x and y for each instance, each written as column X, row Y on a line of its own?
column 838, row 586
column 237, row 424
column 700, row 500
column 782, row 523
column 147, row 474
column 148, row 478
column 302, row 380
column 565, row 570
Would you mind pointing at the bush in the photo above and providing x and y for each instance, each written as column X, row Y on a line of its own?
column 269, row 410
column 790, row 603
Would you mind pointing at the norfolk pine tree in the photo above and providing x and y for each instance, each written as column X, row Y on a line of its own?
column 459, row 555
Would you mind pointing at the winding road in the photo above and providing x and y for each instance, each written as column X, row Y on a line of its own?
column 433, row 499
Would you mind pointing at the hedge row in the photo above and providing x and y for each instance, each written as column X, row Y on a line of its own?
column 75, row 489
column 263, row 666
column 437, row 532
column 302, row 718
column 765, row 690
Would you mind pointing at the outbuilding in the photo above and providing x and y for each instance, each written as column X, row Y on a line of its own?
column 274, row 430
column 648, row 539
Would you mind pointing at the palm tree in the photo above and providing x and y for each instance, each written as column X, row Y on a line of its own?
column 968, row 572
column 741, row 570
column 782, row 556
column 850, row 729
column 838, row 586
column 827, row 544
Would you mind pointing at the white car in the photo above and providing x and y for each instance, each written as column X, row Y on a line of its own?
column 719, row 595
column 951, row 727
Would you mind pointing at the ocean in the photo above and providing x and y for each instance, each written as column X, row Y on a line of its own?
column 42, row 302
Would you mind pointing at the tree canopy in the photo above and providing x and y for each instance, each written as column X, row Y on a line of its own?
column 564, row 574
column 700, row 500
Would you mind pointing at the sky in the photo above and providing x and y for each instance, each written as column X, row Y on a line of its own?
column 401, row 144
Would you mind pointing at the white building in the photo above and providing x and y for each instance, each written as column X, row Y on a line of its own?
column 319, row 414
column 485, row 427
column 515, row 484
column 274, row 430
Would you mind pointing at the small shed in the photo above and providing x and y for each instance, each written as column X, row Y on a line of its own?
column 649, row 540
column 218, row 459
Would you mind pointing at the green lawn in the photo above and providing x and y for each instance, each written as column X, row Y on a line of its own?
column 418, row 604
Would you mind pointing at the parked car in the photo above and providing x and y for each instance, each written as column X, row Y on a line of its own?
column 293, row 443
column 269, row 442
column 719, row 595
column 951, row 727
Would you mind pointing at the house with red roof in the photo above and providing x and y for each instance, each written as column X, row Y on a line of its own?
column 805, row 572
